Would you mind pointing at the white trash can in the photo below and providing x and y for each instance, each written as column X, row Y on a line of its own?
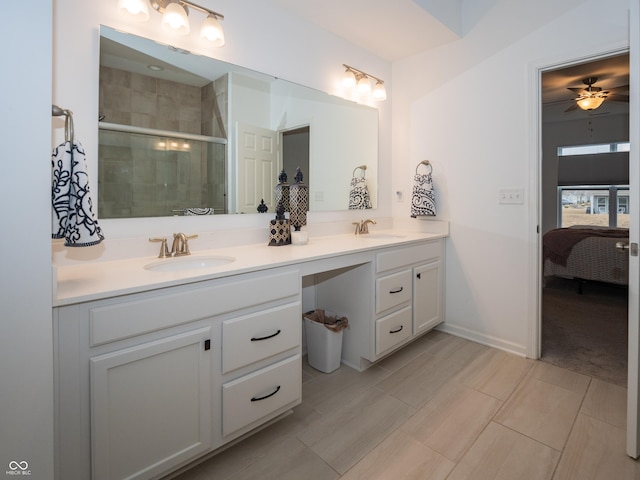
column 324, row 345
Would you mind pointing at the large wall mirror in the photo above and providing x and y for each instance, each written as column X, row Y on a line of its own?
column 183, row 134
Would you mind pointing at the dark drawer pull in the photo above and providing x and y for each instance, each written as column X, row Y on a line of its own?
column 257, row 399
column 257, row 339
column 396, row 291
column 397, row 330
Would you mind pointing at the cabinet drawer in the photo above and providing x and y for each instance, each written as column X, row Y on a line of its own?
column 254, row 337
column 393, row 329
column 393, row 290
column 409, row 255
column 260, row 393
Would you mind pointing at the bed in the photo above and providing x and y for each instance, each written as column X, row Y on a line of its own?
column 586, row 253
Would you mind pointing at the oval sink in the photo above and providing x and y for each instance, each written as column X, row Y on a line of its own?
column 188, row 263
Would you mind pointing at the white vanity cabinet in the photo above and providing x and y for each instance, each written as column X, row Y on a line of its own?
column 147, row 382
column 389, row 301
column 409, row 293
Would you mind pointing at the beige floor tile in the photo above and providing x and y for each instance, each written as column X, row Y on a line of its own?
column 544, row 411
column 606, row 402
column 345, row 435
column 324, row 391
column 596, row 451
column 417, row 382
column 400, row 457
column 502, row 454
column 410, row 352
column 289, row 460
column 451, row 421
column 496, row 373
column 569, row 380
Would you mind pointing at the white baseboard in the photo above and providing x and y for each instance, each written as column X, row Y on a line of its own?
column 483, row 339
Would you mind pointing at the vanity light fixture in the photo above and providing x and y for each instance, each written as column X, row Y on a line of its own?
column 362, row 81
column 175, row 17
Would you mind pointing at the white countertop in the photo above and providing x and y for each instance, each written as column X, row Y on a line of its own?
column 94, row 281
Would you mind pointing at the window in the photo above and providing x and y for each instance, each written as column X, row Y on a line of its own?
column 592, row 205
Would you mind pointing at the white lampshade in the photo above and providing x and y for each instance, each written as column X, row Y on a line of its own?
column 590, row 103
column 175, row 18
column 364, row 85
column 136, row 10
column 212, row 31
column 379, row 92
column 348, row 79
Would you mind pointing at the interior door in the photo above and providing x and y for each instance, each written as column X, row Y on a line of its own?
column 633, row 427
column 258, row 167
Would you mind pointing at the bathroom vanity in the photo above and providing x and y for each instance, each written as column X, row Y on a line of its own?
column 155, row 369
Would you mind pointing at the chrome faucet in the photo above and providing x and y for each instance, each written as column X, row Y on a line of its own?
column 362, row 227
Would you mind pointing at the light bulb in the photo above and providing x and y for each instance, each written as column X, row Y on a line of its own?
column 379, row 92
column 364, row 85
column 590, row 103
column 212, row 31
column 136, row 10
column 348, row 79
column 175, row 18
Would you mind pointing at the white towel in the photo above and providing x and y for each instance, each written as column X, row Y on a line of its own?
column 423, row 199
column 72, row 215
column 359, row 194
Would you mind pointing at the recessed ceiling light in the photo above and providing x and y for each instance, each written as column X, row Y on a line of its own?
column 155, row 68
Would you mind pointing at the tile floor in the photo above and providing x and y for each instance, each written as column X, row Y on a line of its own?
column 441, row 408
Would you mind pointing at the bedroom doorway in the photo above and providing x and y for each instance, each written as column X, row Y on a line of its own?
column 585, row 179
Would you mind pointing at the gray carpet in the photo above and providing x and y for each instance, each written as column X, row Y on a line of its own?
column 586, row 333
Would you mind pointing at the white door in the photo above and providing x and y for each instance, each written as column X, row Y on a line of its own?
column 633, row 418
column 258, row 167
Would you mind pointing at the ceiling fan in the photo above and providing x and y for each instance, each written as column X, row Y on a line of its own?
column 591, row 97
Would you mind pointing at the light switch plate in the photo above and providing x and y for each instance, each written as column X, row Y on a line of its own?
column 511, row 196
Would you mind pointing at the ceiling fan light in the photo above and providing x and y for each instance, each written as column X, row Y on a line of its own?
column 348, row 79
column 212, row 31
column 590, row 103
column 136, row 10
column 379, row 92
column 175, row 18
column 364, row 85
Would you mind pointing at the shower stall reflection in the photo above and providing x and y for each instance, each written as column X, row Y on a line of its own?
column 148, row 175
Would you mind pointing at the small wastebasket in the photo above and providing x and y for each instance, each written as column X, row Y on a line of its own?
column 324, row 339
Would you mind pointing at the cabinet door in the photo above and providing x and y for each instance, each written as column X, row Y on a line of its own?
column 427, row 297
column 151, row 406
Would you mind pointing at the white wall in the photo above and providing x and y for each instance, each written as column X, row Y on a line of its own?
column 258, row 37
column 26, row 372
column 467, row 107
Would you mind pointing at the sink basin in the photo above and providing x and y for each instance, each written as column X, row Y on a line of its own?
column 380, row 236
column 188, row 263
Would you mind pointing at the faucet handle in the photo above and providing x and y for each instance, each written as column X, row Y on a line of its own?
column 185, row 244
column 164, row 250
column 357, row 224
